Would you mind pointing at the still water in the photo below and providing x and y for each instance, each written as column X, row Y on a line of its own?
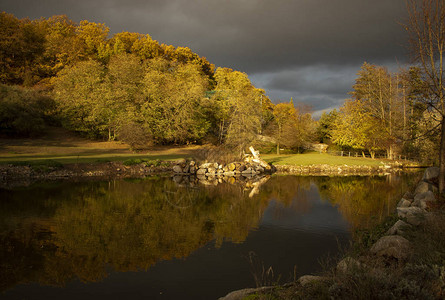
column 155, row 238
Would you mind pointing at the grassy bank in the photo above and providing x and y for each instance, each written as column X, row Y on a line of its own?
column 315, row 158
column 65, row 147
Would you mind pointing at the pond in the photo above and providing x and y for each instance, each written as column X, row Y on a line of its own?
column 158, row 238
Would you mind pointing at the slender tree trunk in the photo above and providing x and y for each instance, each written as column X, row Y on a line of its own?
column 278, row 148
column 442, row 160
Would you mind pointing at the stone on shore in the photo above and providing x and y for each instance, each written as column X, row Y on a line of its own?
column 398, row 228
column 431, row 173
column 307, row 279
column 393, row 246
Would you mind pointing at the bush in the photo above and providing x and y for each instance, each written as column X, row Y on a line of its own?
column 23, row 112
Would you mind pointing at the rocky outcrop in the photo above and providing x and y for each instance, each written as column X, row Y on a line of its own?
column 251, row 165
column 412, row 210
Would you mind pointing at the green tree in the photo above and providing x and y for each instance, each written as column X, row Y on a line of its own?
column 23, row 112
column 174, row 92
column 357, row 128
column 79, row 91
column 239, row 110
column 326, row 125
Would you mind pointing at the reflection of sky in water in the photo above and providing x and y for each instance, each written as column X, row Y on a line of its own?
column 318, row 216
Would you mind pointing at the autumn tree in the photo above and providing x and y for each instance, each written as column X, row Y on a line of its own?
column 284, row 116
column 356, row 128
column 79, row 91
column 21, row 47
column 238, row 108
column 426, row 28
column 172, row 110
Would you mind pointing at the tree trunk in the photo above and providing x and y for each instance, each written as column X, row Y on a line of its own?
column 442, row 160
column 278, row 148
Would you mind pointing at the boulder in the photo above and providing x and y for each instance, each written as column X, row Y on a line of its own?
column 211, row 171
column 348, row 263
column 408, row 196
column 192, row 170
column 306, row 279
column 247, row 171
column 186, row 169
column 241, row 168
column 424, row 186
column 414, row 215
column 431, row 173
column 393, row 246
column 177, row 169
column 231, row 166
column 421, row 200
column 404, row 203
column 201, row 171
column 206, row 165
column 398, row 228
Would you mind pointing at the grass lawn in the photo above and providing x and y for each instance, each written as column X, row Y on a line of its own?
column 65, row 147
column 315, row 158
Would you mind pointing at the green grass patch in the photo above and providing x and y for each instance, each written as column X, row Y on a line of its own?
column 97, row 158
column 315, row 158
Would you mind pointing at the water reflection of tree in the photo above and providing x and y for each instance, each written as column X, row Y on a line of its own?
column 54, row 233
column 363, row 201
column 122, row 225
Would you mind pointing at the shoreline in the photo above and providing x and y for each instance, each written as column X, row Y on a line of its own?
column 18, row 175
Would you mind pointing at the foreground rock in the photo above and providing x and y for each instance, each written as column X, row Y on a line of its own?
column 392, row 246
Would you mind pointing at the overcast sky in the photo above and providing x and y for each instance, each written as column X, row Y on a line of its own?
column 310, row 50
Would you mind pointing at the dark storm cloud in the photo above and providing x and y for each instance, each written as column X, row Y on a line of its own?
column 306, row 48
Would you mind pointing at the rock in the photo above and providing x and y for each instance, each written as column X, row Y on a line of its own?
column 424, row 186
column 414, row 215
column 398, row 228
column 177, row 169
column 180, row 161
column 394, row 246
column 421, row 200
column 241, row 294
column 192, row 163
column 404, row 203
column 306, row 279
column 260, row 169
column 247, row 171
column 231, row 167
column 211, row 171
column 201, row 171
column 206, row 165
column 408, row 196
column 241, row 168
column 348, row 263
column 192, row 170
column 186, row 169
column 177, row 179
column 229, row 173
column 431, row 173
